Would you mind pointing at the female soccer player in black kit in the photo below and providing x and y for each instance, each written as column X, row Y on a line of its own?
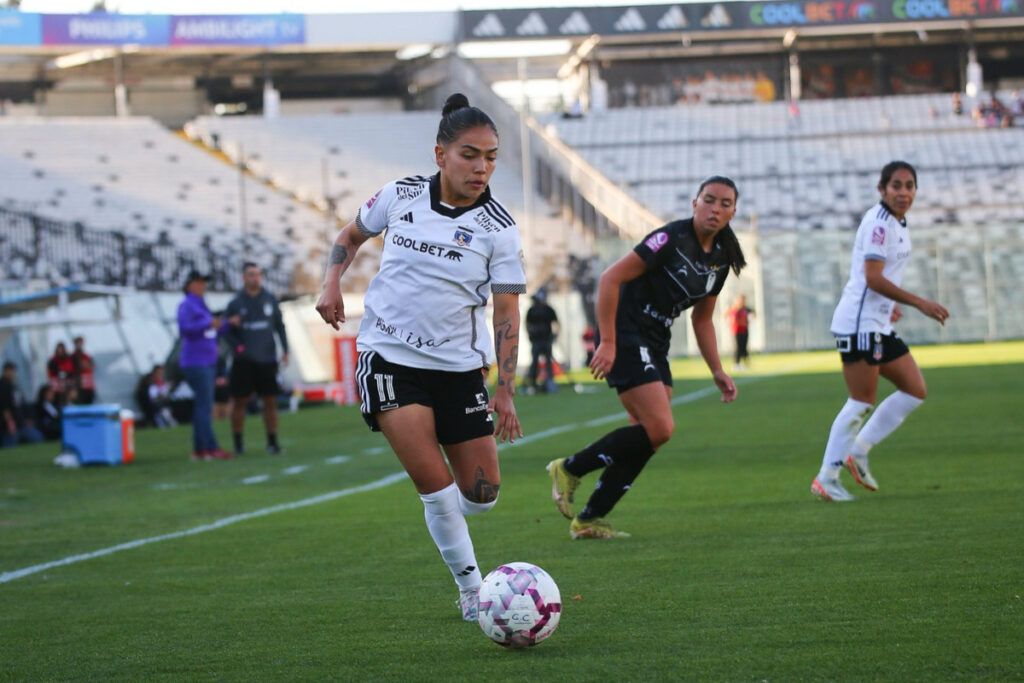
column 681, row 265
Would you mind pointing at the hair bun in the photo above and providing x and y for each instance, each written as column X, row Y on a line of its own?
column 454, row 102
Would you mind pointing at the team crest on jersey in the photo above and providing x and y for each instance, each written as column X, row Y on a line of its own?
column 268, row 309
column 657, row 241
column 462, row 238
column 373, row 200
column 878, row 235
column 712, row 276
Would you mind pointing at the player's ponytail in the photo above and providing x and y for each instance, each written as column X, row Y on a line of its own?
column 458, row 116
column 726, row 237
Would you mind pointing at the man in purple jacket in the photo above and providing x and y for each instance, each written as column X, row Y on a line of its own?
column 199, row 329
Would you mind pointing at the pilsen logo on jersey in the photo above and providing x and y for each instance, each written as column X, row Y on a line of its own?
column 485, row 221
column 373, row 200
column 406, row 192
column 878, row 235
column 462, row 238
column 657, row 241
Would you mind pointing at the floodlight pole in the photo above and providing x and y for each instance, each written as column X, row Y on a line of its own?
column 524, row 147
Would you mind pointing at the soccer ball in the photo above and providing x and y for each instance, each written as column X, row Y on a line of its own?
column 519, row 605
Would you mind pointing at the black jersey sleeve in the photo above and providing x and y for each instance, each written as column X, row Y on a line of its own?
column 654, row 247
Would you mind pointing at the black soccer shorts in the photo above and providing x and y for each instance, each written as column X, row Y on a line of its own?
column 637, row 364
column 874, row 347
column 458, row 399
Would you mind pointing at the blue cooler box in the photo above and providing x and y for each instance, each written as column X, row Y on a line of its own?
column 94, row 433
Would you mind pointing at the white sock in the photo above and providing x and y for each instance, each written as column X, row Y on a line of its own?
column 447, row 526
column 888, row 416
column 468, row 507
column 840, row 438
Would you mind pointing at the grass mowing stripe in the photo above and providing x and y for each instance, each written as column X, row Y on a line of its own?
column 390, row 479
column 219, row 524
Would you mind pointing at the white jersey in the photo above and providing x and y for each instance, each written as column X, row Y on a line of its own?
column 426, row 307
column 880, row 237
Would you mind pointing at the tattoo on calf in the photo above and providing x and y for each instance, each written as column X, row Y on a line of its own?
column 339, row 255
column 483, row 491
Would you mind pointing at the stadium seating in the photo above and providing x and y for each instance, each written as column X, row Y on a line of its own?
column 136, row 178
column 815, row 169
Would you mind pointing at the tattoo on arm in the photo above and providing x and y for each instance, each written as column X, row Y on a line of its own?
column 503, row 332
column 339, row 254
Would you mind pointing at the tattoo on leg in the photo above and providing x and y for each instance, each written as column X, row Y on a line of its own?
column 483, row 491
column 339, row 255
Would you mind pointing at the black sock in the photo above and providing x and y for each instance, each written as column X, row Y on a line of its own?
column 606, row 450
column 238, row 442
column 620, row 474
column 272, row 439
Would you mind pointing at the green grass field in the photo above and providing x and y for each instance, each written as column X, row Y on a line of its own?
column 317, row 565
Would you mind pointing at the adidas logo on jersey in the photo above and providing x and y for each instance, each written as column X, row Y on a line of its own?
column 407, row 217
column 630, row 21
column 674, row 18
column 532, row 25
column 489, row 27
column 576, row 23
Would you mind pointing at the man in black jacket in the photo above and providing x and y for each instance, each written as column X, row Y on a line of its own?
column 255, row 316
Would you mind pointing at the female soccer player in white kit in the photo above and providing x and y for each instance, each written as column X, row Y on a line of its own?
column 423, row 343
column 868, row 346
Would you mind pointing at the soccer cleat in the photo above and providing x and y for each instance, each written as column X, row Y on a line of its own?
column 219, row 454
column 831, row 490
column 859, row 469
column 199, row 456
column 469, row 603
column 563, row 487
column 275, row 450
column 594, row 528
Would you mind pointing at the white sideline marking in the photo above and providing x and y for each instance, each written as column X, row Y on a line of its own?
column 337, row 460
column 315, row 500
column 295, row 470
column 258, row 479
column 219, row 524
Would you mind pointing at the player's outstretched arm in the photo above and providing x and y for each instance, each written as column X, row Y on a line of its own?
column 627, row 268
column 506, row 350
column 881, row 284
column 330, row 305
column 707, row 342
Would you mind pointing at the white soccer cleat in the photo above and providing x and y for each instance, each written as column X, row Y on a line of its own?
column 859, row 469
column 469, row 603
column 831, row 490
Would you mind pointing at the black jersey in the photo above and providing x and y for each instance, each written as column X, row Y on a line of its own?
column 679, row 274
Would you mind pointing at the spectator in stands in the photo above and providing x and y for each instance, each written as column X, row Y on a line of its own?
column 542, row 328
column 85, row 375
column 60, row 370
column 48, row 413
column 679, row 266
column 957, row 106
column 868, row 345
column 255, row 318
column 153, row 395
column 199, row 329
column 17, row 425
column 423, row 341
column 739, row 319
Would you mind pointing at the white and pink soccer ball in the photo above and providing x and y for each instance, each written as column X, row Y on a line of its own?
column 519, row 605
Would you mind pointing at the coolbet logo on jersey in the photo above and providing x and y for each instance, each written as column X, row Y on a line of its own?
column 462, row 238
column 657, row 241
column 878, row 235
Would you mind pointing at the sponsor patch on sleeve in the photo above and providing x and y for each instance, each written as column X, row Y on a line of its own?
column 656, row 241
column 878, row 235
column 373, row 200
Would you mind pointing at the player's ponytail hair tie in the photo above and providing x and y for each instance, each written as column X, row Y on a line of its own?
column 457, row 116
column 726, row 237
